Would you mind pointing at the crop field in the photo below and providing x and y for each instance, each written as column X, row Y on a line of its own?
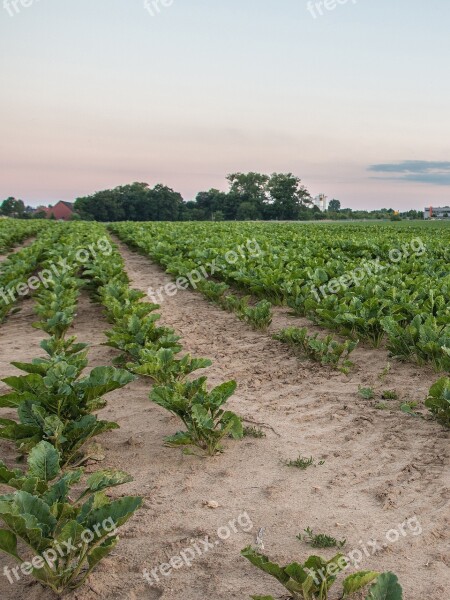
column 224, row 410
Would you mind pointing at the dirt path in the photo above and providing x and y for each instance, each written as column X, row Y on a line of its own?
column 380, row 467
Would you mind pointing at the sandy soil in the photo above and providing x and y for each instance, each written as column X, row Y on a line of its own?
column 381, row 466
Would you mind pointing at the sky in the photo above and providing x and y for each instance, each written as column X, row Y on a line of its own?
column 352, row 96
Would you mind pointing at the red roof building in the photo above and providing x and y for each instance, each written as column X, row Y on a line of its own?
column 62, row 211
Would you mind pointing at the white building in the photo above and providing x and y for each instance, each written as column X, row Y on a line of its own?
column 321, row 201
column 436, row 213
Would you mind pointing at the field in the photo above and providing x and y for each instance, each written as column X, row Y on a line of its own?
column 337, row 337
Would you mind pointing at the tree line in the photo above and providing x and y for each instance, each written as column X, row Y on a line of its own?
column 251, row 196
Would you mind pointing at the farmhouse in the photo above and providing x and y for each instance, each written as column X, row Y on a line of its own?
column 62, row 211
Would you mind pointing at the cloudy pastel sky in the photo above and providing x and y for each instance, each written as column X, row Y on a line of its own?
column 99, row 93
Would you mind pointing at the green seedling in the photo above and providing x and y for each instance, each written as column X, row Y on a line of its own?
column 320, row 540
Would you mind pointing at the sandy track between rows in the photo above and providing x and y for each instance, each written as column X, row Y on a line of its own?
column 381, row 467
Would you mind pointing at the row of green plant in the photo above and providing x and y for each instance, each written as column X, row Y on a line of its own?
column 327, row 351
column 18, row 267
column 14, row 232
column 258, row 316
column 407, row 301
column 153, row 351
column 50, row 508
column 393, row 278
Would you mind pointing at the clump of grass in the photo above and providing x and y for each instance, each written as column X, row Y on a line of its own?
column 389, row 395
column 366, row 393
column 254, row 432
column 302, row 463
column 320, row 540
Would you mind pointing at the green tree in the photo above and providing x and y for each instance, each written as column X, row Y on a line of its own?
column 334, row 205
column 288, row 195
column 247, row 211
column 12, row 208
column 246, row 187
column 210, row 202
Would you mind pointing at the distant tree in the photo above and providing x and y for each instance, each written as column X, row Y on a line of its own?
column 334, row 205
column 288, row 195
column 133, row 202
column 12, row 208
column 210, row 202
column 247, row 211
column 246, row 187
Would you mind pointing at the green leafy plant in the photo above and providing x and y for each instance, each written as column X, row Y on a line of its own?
column 313, row 579
column 68, row 534
column 53, row 403
column 320, row 540
column 259, row 316
column 367, row 393
column 164, row 368
column 438, row 401
column 201, row 412
column 408, row 408
column 327, row 350
column 233, row 303
column 213, row 291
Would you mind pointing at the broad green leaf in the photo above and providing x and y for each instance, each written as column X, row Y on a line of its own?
column 101, row 551
column 102, row 480
column 355, row 582
column 8, row 543
column 386, row 588
column 43, row 461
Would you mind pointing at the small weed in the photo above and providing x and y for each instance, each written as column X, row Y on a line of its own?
column 302, row 462
column 385, row 372
column 366, row 393
column 320, row 540
column 389, row 395
column 254, row 432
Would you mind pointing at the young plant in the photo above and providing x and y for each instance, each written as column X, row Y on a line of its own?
column 300, row 462
column 164, row 368
column 313, row 579
column 233, row 303
column 54, row 404
column 259, row 316
column 205, row 421
column 326, row 351
column 408, row 408
column 320, row 540
column 213, row 291
column 67, row 534
column 132, row 333
column 438, row 401
column 366, row 393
